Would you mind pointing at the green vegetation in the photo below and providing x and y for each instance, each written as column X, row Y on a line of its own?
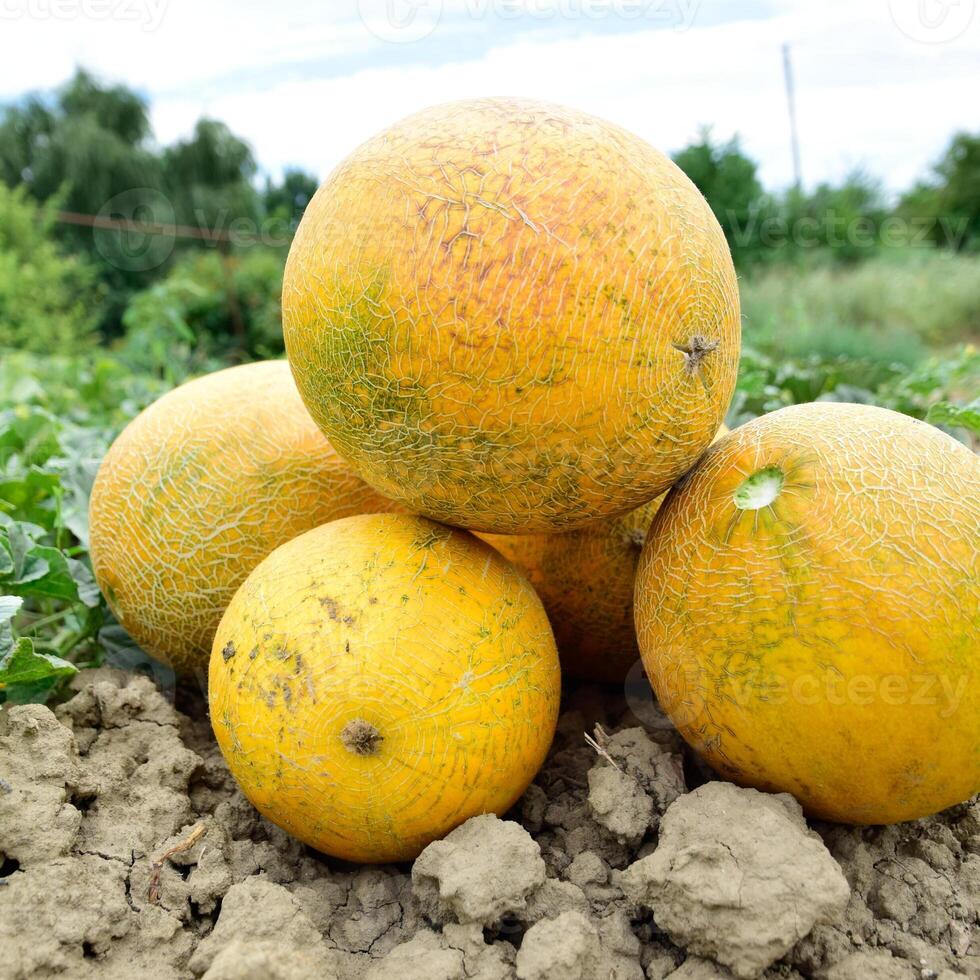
column 57, row 417
column 840, row 224
column 48, row 299
column 87, row 151
column 893, row 308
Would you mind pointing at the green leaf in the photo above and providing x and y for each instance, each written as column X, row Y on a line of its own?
column 9, row 607
column 86, row 588
column 32, row 433
column 23, row 666
column 77, row 477
column 957, row 416
column 30, row 496
column 31, row 569
column 20, row 546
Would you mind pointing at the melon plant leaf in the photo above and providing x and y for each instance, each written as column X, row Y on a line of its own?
column 9, row 604
column 959, row 416
column 9, row 607
column 28, row 496
column 32, row 569
column 86, row 589
column 19, row 542
column 77, row 477
column 32, row 434
column 24, row 673
column 6, row 558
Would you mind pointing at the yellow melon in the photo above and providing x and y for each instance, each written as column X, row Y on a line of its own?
column 197, row 490
column 381, row 679
column 512, row 316
column 585, row 579
column 808, row 611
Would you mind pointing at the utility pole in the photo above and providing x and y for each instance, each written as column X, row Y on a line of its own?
column 791, row 103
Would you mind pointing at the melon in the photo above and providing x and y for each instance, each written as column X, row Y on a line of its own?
column 586, row 579
column 197, row 490
column 808, row 611
column 379, row 680
column 512, row 316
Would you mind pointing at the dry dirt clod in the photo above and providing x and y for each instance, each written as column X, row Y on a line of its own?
column 695, row 968
column 575, row 947
column 737, row 877
column 145, row 776
column 871, row 965
column 634, row 782
column 618, row 803
column 483, row 869
column 256, row 911
column 39, row 760
column 566, row 948
column 457, row 953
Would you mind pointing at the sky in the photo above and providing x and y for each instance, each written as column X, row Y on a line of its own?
column 880, row 84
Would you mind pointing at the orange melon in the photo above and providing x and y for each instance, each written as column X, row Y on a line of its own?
column 808, row 611
column 379, row 680
column 512, row 316
column 197, row 490
column 586, row 580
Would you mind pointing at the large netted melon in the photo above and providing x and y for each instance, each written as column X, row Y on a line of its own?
column 808, row 611
column 513, row 316
column 197, row 490
column 379, row 680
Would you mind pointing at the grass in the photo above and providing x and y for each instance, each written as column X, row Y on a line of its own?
column 895, row 308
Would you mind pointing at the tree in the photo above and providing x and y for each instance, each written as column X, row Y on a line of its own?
column 86, row 144
column 48, row 301
column 209, row 178
column 83, row 147
column 729, row 181
column 89, row 147
column 288, row 199
column 948, row 201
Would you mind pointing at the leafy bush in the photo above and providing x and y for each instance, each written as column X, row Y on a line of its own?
column 949, row 198
column 210, row 305
column 939, row 390
column 48, row 301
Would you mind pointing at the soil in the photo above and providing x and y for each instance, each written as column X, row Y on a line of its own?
column 127, row 850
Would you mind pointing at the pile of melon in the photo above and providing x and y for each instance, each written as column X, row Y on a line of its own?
column 513, row 334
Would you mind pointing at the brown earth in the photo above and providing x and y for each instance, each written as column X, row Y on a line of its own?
column 620, row 863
